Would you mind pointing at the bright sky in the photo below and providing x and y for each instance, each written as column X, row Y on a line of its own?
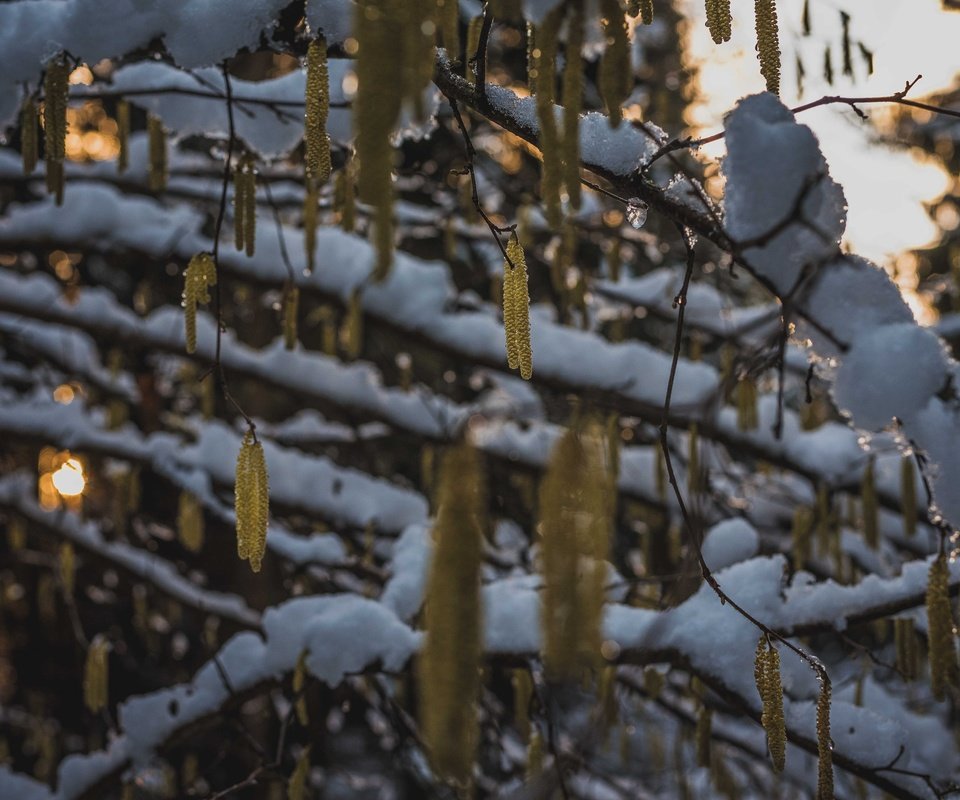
column 885, row 188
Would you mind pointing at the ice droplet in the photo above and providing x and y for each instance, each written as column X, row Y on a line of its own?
column 636, row 212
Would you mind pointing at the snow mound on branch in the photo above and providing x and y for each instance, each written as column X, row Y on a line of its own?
column 892, row 371
column 332, row 18
column 728, row 542
column 775, row 172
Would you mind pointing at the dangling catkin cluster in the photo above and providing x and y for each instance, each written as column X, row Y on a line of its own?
column 157, row 173
column 824, row 745
column 575, row 508
column 522, row 695
column 311, row 204
column 96, row 675
column 908, row 496
column 868, row 496
column 245, row 205
column 297, row 787
column 941, row 640
column 801, row 535
column 317, row 108
column 291, row 308
column 190, row 522
column 55, row 86
column 449, row 662
column 768, row 43
column 516, row 310
column 572, row 103
column 28, row 136
column 766, row 672
column 200, row 275
column 298, row 685
column 450, row 27
column 719, row 20
column 123, row 135
column 251, row 500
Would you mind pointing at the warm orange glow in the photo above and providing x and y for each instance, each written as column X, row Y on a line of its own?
column 64, row 394
column 91, row 134
column 69, row 480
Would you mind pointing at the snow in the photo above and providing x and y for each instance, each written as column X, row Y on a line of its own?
column 333, row 18
column 409, row 565
column 728, row 542
column 891, row 371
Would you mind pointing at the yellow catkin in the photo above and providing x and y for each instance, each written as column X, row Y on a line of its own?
column 96, row 675
column 516, row 309
column 768, row 43
column 16, row 533
column 200, row 275
column 824, row 746
column 522, row 695
column 344, row 197
column 123, row 135
column 535, row 755
column 311, row 206
column 239, row 206
column 615, row 73
column 251, row 500
column 801, row 535
column 190, row 526
column 693, row 461
column 449, row 663
column 352, row 334
column 317, row 103
column 941, row 639
column 298, row 685
column 291, row 308
column 473, row 42
column 767, row 675
column 575, row 524
column 157, row 137
column 719, row 20
column 376, row 108
column 908, row 495
column 28, row 136
column 702, row 736
column 545, row 75
column 67, row 563
column 908, row 654
column 450, row 27
column 297, row 787
column 747, row 405
column 868, row 496
column 245, row 205
column 572, row 103
column 55, row 88
column 645, row 7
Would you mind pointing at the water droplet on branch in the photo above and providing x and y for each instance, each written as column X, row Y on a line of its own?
column 636, row 212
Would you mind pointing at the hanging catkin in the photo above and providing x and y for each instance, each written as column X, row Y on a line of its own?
column 311, row 203
column 317, row 102
column 28, row 136
column 522, row 695
column 908, row 654
column 473, row 43
column 55, row 86
column 908, row 496
column 96, row 675
column 200, row 275
column 941, row 640
column 719, row 20
column 575, row 526
column 572, row 103
column 516, row 309
column 801, row 535
column 766, row 671
column 291, row 306
column 702, row 736
column 376, row 108
column 747, row 419
column 450, row 27
column 123, row 135
column 297, row 787
column 545, row 86
column 298, row 685
column 450, row 659
column 239, row 206
column 824, row 745
column 190, row 522
column 251, row 500
column 615, row 73
column 157, row 173
column 868, row 497
column 768, row 43
column 245, row 205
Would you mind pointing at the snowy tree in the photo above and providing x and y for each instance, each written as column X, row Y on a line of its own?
column 392, row 408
